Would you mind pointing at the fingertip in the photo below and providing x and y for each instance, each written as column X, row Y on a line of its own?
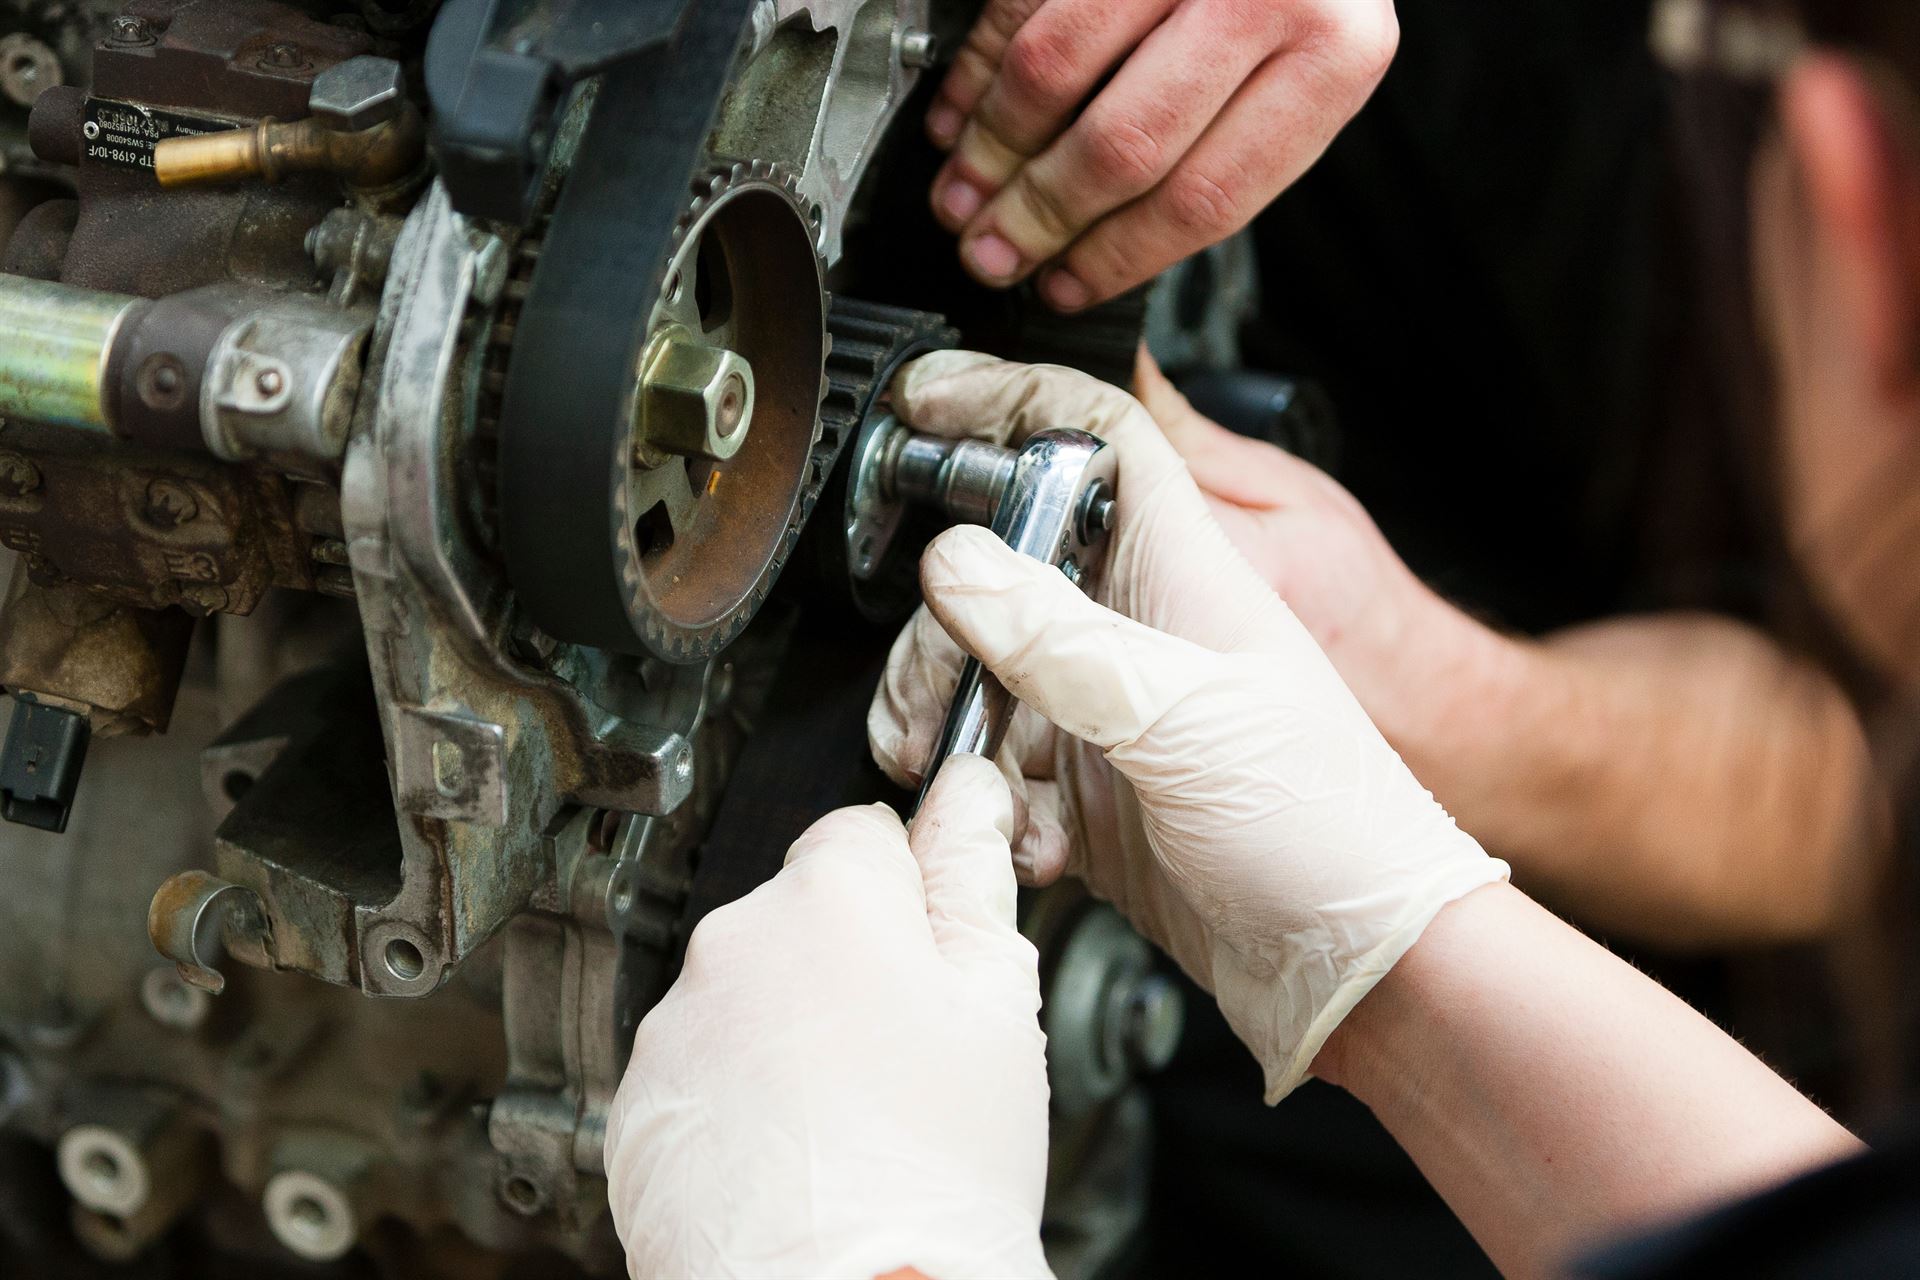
column 962, row 557
column 1065, row 291
column 944, row 122
column 956, row 201
column 859, row 824
column 972, row 787
column 992, row 259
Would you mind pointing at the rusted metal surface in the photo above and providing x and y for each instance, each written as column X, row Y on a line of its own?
column 164, row 65
column 149, row 528
column 73, row 646
column 207, row 63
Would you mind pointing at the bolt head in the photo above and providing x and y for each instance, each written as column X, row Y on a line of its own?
column 127, row 29
column 170, row 504
column 918, row 49
column 284, row 57
column 695, row 400
column 269, row 382
column 358, row 94
column 18, row 476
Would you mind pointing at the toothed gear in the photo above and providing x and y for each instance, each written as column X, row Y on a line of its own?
column 696, row 545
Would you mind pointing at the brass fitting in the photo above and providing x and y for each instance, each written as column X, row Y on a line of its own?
column 694, row 399
column 366, row 159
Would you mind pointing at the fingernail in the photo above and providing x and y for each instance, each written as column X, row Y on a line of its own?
column 1065, row 291
column 993, row 257
column 961, row 199
column 943, row 124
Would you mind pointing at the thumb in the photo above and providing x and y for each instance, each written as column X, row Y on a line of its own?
column 961, row 839
column 1095, row 673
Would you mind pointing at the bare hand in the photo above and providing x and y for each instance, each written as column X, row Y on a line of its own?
column 1213, row 108
column 1405, row 652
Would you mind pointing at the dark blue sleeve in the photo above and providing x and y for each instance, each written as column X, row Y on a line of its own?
column 1856, row 1220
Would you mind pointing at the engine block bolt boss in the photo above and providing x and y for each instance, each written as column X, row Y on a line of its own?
column 18, row 476
column 694, row 400
column 170, row 504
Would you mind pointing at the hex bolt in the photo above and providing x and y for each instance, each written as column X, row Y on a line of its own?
column 358, row 94
column 129, row 30
column 269, row 382
column 695, row 400
column 286, row 57
column 170, row 504
column 18, row 476
column 918, row 49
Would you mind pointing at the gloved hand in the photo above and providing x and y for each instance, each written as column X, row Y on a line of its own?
column 1185, row 746
column 849, row 1077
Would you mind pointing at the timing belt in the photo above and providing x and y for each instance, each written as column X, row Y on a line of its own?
column 563, row 435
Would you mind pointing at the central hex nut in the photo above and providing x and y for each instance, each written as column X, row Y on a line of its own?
column 695, row 400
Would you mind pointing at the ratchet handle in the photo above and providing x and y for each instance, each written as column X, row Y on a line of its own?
column 1057, row 506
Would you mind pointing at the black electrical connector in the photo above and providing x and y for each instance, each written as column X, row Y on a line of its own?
column 40, row 765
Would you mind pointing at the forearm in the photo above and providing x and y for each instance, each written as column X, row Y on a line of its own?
column 1675, row 779
column 1553, row 1095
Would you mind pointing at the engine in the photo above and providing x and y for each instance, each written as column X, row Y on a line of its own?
column 437, row 577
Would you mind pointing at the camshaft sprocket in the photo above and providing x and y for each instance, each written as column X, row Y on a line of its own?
column 694, row 544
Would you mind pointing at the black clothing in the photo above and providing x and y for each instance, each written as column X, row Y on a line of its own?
column 1858, row 1220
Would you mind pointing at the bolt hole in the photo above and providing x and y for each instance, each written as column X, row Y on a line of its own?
column 623, row 896
column 103, row 1167
column 653, row 531
column 404, row 960
column 308, row 1214
column 236, row 784
column 521, row 1193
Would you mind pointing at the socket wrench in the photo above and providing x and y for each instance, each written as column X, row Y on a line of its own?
column 1052, row 498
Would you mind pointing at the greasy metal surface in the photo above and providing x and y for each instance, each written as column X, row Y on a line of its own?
column 80, row 649
column 54, row 341
column 186, row 531
column 210, row 58
column 434, row 615
column 281, row 383
column 824, row 82
column 288, row 1073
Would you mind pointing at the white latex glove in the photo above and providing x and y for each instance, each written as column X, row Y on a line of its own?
column 1210, row 774
column 849, row 1077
